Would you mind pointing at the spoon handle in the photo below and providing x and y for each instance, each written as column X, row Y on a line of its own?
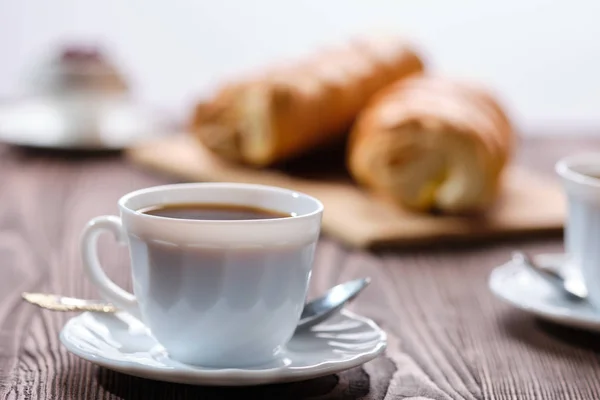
column 549, row 274
column 61, row 303
column 552, row 276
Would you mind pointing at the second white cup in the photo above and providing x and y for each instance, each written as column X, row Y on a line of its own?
column 580, row 175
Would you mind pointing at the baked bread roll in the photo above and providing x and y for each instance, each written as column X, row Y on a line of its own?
column 431, row 144
column 290, row 109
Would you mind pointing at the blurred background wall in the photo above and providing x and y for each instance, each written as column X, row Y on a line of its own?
column 541, row 56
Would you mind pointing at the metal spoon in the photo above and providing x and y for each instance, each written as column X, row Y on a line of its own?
column 572, row 287
column 314, row 311
column 331, row 302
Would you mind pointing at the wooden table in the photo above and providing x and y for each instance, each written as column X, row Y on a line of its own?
column 449, row 338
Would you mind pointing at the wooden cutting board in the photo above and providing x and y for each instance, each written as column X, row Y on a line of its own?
column 529, row 204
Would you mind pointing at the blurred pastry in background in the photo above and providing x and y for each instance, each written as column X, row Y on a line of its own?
column 288, row 110
column 431, row 144
column 75, row 97
column 79, row 69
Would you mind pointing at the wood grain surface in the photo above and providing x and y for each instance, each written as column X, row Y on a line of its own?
column 449, row 338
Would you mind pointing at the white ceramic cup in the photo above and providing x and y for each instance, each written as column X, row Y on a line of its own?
column 581, row 181
column 215, row 293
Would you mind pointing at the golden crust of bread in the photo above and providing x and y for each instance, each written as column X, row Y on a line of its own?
column 432, row 144
column 293, row 108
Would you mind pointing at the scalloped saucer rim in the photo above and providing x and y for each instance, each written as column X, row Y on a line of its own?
column 151, row 360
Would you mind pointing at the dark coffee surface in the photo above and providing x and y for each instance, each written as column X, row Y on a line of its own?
column 215, row 212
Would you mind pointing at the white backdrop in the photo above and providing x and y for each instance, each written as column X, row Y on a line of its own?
column 541, row 55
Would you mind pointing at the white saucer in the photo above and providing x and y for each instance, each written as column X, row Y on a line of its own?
column 121, row 343
column 513, row 283
column 61, row 124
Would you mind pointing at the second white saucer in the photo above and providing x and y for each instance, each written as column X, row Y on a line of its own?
column 515, row 284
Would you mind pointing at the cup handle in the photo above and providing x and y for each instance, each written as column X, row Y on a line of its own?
column 89, row 251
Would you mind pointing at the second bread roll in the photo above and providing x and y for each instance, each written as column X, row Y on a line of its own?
column 432, row 144
column 291, row 109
